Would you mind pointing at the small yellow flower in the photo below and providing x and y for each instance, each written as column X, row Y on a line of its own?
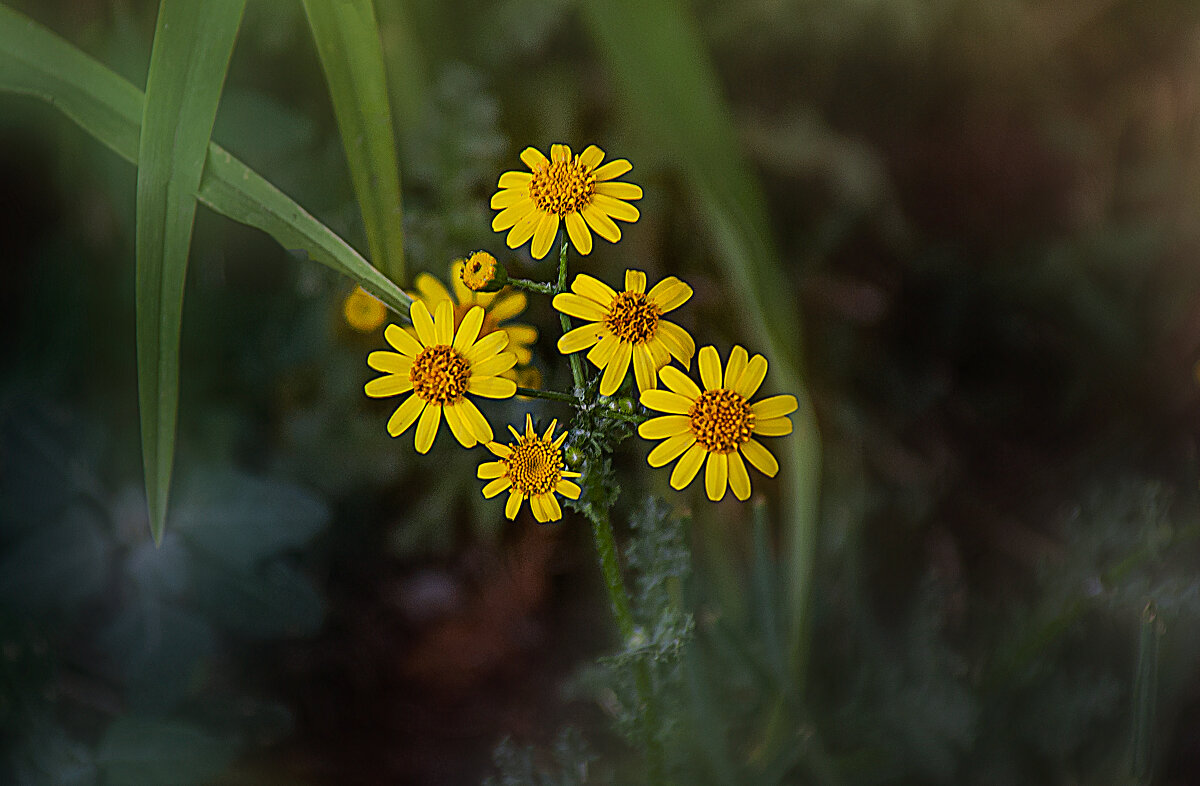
column 363, row 311
column 717, row 426
column 575, row 189
column 531, row 468
column 626, row 326
column 441, row 366
column 497, row 310
column 480, row 272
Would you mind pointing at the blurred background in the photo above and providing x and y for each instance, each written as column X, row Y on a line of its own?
column 987, row 215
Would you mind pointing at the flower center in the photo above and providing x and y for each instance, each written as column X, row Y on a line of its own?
column 479, row 271
column 440, row 374
column 563, row 187
column 721, row 420
column 535, row 466
column 632, row 317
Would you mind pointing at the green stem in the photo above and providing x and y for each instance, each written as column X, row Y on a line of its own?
column 540, row 287
column 549, row 395
column 576, row 363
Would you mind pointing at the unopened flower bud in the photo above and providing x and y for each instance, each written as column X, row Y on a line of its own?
column 482, row 273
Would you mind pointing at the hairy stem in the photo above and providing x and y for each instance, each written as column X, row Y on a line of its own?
column 549, row 395
column 576, row 363
column 540, row 287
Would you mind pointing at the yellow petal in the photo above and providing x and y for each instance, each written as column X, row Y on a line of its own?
column 468, row 329
column 443, row 322
column 602, row 353
column 529, row 425
column 593, row 289
column 591, row 157
column 658, row 351
column 560, row 153
column 739, row 479
column 391, row 385
column 492, row 387
column 666, row 401
column 567, row 489
column 524, row 229
column 427, row 427
column 495, row 365
column 670, row 449
column 618, row 366
column 402, row 340
column 405, row 414
column 577, row 230
column 543, row 238
column 541, row 511
column 716, row 476
column 710, row 368
column 496, row 486
column 735, row 366
column 580, row 338
column 513, row 506
column 423, row 323
column 515, row 179
column 643, row 368
column 773, row 427
column 619, row 190
column 498, row 448
column 670, row 293
column 512, row 215
column 679, row 382
column 491, row 469
column 678, row 341
column 432, row 291
column 635, row 281
column 752, row 377
column 575, row 306
column 613, row 169
column 760, row 457
column 476, row 421
column 601, row 224
column 521, row 334
column 390, row 362
column 533, row 158
column 487, row 346
column 458, row 426
column 552, row 507
column 509, row 197
column 665, row 426
column 687, row 467
column 508, row 305
column 774, row 407
column 621, row 211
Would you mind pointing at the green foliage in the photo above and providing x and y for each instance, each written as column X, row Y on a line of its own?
column 572, row 764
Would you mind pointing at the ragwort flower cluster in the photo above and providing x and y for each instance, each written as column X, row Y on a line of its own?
column 470, row 347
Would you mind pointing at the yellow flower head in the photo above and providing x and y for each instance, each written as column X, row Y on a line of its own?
column 441, row 365
column 531, row 468
column 575, row 189
column 716, row 426
column 480, row 272
column 498, row 309
column 626, row 326
column 362, row 311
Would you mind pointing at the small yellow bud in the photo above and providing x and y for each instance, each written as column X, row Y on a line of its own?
column 482, row 273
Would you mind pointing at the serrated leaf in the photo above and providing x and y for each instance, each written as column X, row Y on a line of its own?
column 351, row 52
column 192, row 45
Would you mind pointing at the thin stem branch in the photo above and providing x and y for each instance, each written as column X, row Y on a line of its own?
column 549, row 395
column 576, row 363
column 540, row 287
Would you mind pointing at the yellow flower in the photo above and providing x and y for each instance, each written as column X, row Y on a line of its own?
column 363, row 311
column 716, row 426
column 497, row 309
column 626, row 326
column 480, row 272
column 575, row 189
column 441, row 366
column 530, row 468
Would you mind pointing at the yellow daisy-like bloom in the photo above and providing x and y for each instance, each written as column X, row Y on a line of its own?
column 441, row 366
column 717, row 426
column 626, row 326
column 574, row 189
column 498, row 308
column 363, row 311
column 531, row 469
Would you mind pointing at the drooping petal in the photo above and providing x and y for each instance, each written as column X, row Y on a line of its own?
column 491, row 469
column 580, row 338
column 710, row 368
column 601, row 224
column 486, row 347
column 427, row 427
column 643, row 368
column 568, row 489
column 423, row 323
column 773, row 427
column 735, row 366
column 576, row 306
column 752, row 377
column 443, row 322
column 458, row 425
column 577, row 230
column 540, row 511
column 760, row 457
column 391, row 385
column 593, row 288
column 679, row 342
column 496, row 486
column 495, row 365
column 476, row 420
column 543, row 237
column 670, row 449
column 390, row 362
column 514, row 180
column 533, row 158
column 669, row 294
column 666, row 401
column 739, row 478
column 591, row 157
column 659, row 352
column 402, row 340
column 613, row 169
column 618, row 366
column 492, row 387
column 552, row 506
column 621, row 211
column 468, row 329
column 405, row 414
column 635, row 281
column 665, row 426
column 716, row 476
column 687, row 467
column 679, row 382
column 774, row 407
column 513, row 506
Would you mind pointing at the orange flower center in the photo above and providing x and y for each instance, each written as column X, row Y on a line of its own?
column 632, row 317
column 721, row 420
column 563, row 187
column 440, row 374
column 535, row 466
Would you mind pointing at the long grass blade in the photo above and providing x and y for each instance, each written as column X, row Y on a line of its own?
column 351, row 52
column 193, row 42
column 1145, row 698
column 656, row 53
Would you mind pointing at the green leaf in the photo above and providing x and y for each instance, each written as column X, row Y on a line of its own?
column 138, row 750
column 657, row 55
column 193, row 42
column 351, row 51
